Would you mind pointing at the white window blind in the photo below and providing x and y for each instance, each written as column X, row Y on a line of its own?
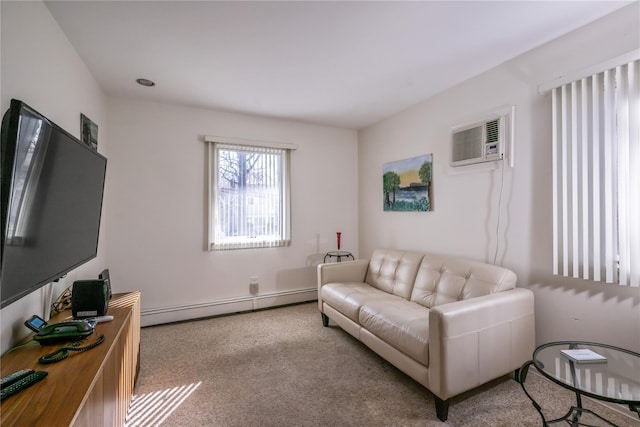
column 596, row 176
column 249, row 196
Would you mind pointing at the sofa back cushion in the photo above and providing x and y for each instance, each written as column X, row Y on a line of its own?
column 393, row 271
column 441, row 279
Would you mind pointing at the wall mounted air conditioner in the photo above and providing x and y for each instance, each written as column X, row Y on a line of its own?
column 478, row 142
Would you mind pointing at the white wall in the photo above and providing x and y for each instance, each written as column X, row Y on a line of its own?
column 40, row 67
column 467, row 205
column 157, row 234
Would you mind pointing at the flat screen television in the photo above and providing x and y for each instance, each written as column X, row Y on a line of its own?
column 51, row 202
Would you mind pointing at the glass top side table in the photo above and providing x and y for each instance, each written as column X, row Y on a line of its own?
column 615, row 380
column 338, row 255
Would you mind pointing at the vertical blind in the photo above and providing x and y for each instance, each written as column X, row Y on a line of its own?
column 250, row 198
column 596, row 176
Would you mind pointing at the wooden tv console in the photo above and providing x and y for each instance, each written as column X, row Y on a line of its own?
column 90, row 388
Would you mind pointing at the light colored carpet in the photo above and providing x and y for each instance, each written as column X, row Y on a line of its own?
column 281, row 367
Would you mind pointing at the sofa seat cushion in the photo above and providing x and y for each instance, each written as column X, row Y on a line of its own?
column 348, row 297
column 401, row 324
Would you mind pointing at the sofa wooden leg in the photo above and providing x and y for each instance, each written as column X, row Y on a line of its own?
column 325, row 320
column 442, row 408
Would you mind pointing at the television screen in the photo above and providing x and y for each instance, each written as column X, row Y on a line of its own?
column 51, row 201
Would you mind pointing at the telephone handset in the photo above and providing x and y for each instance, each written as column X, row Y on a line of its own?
column 71, row 330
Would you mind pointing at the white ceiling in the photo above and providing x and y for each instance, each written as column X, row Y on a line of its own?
column 339, row 63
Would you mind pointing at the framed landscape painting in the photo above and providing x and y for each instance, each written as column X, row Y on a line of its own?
column 408, row 184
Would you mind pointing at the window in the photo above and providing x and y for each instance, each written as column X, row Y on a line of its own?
column 249, row 195
column 596, row 176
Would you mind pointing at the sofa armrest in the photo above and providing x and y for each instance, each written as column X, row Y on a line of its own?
column 476, row 340
column 346, row 271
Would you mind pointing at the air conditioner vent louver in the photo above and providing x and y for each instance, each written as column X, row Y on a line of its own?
column 477, row 142
column 464, row 143
column 493, row 131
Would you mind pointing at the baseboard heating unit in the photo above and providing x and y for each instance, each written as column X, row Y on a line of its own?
column 177, row 313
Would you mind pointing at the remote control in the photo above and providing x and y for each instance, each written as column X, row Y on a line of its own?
column 100, row 319
column 15, row 377
column 27, row 381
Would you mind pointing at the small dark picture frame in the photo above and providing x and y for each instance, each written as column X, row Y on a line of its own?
column 89, row 132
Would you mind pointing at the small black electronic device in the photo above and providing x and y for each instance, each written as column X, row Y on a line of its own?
column 23, row 383
column 35, row 323
column 89, row 298
column 64, row 331
column 14, row 377
column 105, row 276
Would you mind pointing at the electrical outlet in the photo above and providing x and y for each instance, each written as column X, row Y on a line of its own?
column 253, row 285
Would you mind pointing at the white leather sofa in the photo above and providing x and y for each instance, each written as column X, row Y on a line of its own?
column 449, row 323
